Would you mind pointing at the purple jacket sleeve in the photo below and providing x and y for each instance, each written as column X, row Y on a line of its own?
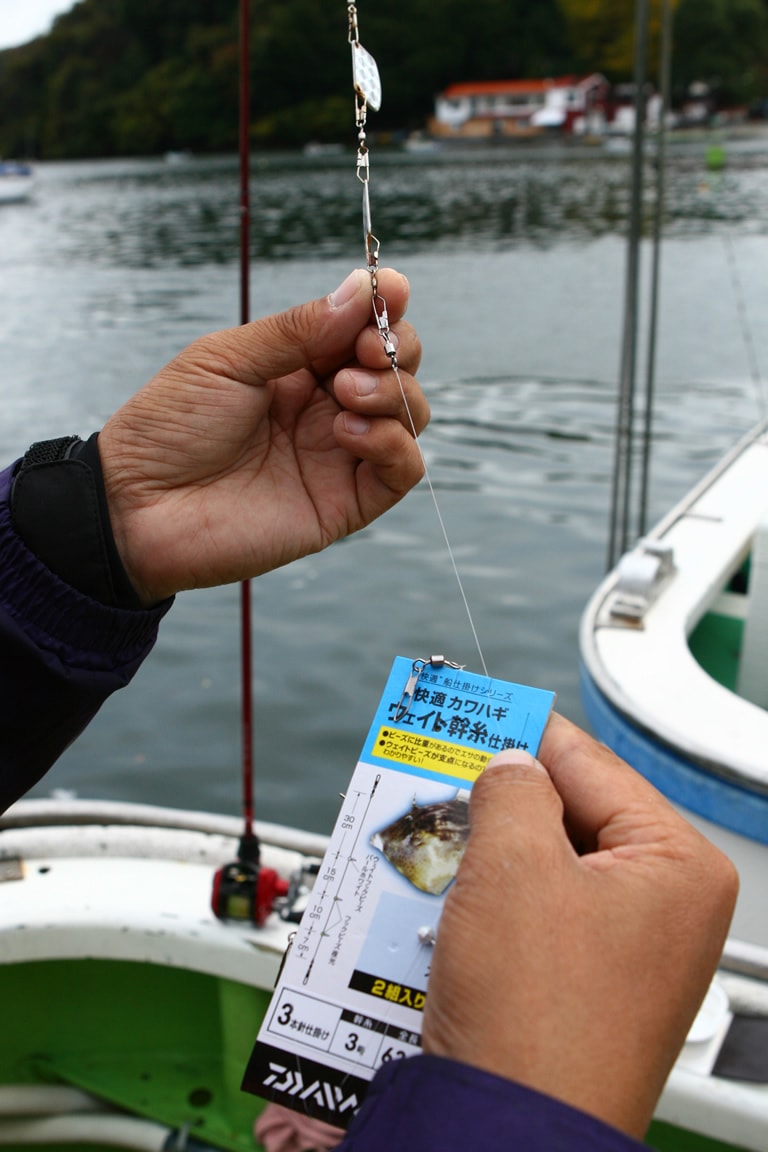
column 61, row 655
column 430, row 1103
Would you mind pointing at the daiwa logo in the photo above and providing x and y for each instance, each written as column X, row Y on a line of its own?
column 323, row 1094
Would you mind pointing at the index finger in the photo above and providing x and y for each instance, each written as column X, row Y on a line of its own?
column 605, row 800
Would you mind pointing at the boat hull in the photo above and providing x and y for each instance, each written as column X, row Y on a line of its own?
column 651, row 688
column 122, row 988
column 731, row 817
column 16, row 182
column 117, row 978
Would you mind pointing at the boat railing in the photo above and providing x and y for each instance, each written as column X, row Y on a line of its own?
column 51, row 812
column 745, row 959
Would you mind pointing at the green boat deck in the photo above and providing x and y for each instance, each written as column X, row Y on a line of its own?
column 163, row 1043
column 717, row 639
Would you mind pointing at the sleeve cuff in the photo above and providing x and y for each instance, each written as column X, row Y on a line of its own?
column 75, row 629
column 428, row 1101
column 59, row 509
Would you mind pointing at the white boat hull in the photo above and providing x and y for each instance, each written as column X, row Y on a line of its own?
column 647, row 697
column 122, row 982
column 89, row 888
column 15, row 188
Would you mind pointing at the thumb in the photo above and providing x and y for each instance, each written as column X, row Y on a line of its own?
column 515, row 809
column 319, row 335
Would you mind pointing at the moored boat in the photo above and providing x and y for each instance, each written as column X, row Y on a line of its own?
column 674, row 672
column 16, row 181
column 131, row 1009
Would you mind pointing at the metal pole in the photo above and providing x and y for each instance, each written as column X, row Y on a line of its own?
column 665, row 68
column 622, row 471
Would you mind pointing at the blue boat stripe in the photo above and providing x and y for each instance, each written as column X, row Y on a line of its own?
column 695, row 789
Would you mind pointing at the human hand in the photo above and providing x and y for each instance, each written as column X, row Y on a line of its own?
column 581, row 933
column 263, row 443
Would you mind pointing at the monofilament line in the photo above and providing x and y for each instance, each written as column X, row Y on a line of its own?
column 441, row 522
column 366, row 83
column 746, row 331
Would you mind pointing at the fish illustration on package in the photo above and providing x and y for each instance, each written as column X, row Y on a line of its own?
column 427, row 843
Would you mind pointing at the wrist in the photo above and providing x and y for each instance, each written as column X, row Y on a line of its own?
column 59, row 509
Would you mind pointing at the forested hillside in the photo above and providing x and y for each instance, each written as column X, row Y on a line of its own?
column 119, row 77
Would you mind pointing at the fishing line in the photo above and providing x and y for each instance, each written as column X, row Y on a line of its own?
column 746, row 331
column 443, row 528
column 367, row 87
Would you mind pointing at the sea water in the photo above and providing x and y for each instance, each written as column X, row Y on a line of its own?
column 516, row 260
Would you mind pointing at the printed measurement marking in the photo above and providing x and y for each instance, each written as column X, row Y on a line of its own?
column 351, row 824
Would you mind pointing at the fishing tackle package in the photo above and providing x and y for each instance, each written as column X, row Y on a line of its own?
column 351, row 993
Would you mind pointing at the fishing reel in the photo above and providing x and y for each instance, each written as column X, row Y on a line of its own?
column 244, row 890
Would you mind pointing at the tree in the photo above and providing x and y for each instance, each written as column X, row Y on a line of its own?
column 725, row 44
column 602, row 33
column 136, row 76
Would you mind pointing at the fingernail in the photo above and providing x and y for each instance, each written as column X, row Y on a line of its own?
column 513, row 756
column 346, row 290
column 364, row 383
column 356, row 425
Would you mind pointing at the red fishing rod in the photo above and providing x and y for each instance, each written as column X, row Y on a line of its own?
column 245, row 315
column 244, row 890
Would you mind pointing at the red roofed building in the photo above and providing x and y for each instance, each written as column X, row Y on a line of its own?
column 515, row 107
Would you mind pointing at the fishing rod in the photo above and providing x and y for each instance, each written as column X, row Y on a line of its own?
column 244, row 890
column 246, row 656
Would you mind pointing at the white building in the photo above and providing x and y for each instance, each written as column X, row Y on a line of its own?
column 514, row 107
